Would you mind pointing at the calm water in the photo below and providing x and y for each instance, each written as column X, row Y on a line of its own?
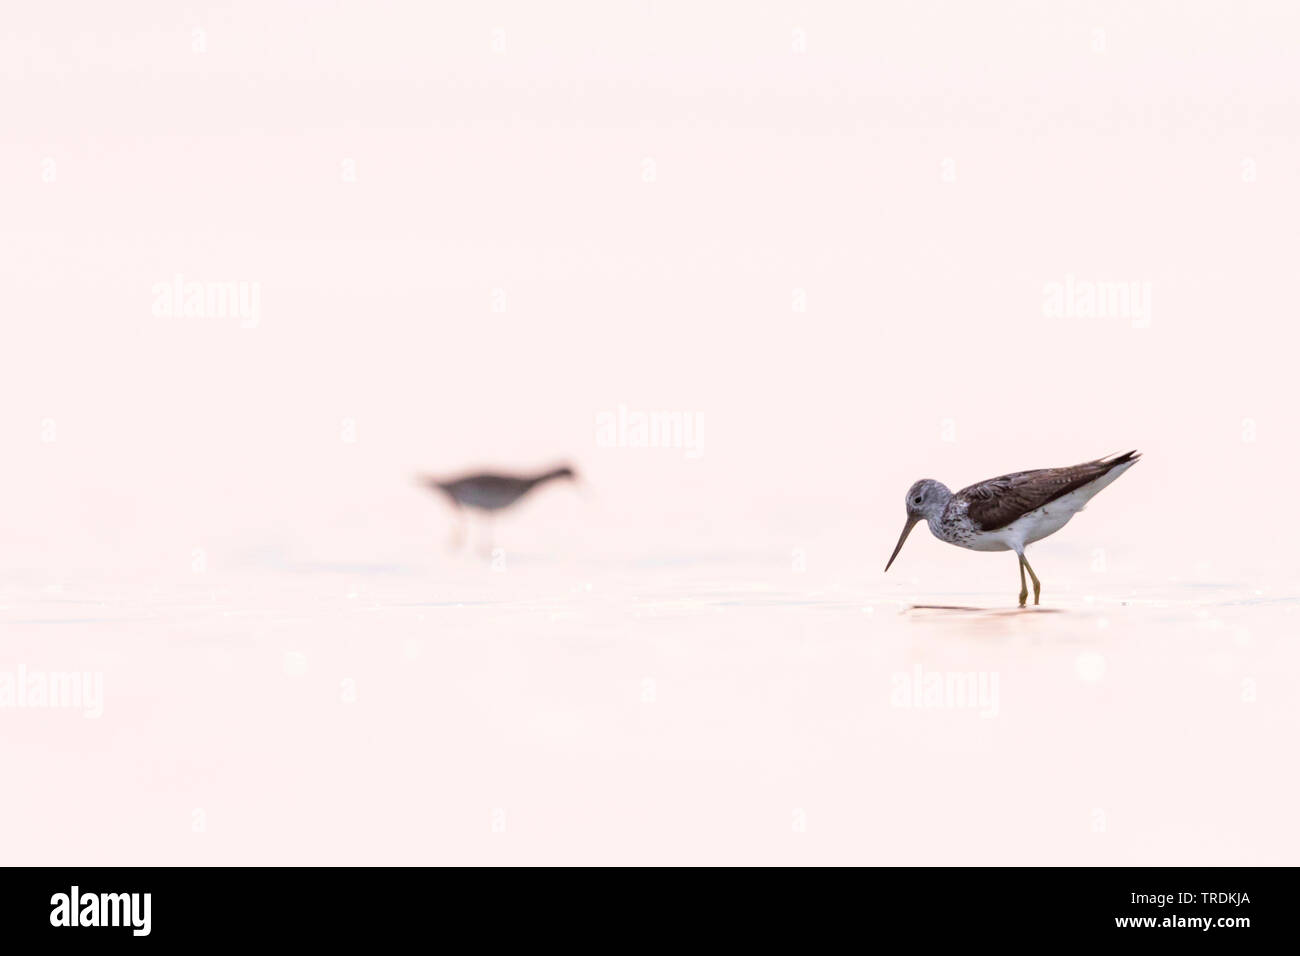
column 700, row 707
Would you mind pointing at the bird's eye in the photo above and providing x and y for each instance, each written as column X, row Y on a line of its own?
column 916, row 500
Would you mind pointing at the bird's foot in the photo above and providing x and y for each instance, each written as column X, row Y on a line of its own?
column 1023, row 596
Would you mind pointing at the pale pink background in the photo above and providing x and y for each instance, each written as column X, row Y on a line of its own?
column 522, row 170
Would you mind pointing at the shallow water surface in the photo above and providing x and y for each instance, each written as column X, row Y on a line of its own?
column 681, row 711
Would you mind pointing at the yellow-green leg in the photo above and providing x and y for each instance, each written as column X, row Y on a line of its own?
column 1024, row 589
column 1032, row 576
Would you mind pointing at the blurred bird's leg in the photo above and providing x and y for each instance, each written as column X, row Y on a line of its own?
column 1033, row 577
column 1024, row 590
column 459, row 533
column 485, row 543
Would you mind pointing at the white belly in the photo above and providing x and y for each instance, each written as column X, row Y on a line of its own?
column 1026, row 529
column 1037, row 525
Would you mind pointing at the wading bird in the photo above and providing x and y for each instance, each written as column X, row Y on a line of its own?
column 488, row 492
column 1011, row 511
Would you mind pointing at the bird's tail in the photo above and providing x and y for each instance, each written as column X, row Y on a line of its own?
column 428, row 481
column 1113, row 466
column 1124, row 459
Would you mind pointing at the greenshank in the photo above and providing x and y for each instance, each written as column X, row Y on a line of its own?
column 1009, row 512
column 488, row 492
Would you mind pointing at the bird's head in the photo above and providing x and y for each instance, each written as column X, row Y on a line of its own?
column 925, row 500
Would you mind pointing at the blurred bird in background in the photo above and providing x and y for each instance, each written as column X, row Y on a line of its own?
column 488, row 493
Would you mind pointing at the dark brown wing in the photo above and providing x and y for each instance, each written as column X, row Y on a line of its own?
column 493, row 484
column 486, row 491
column 999, row 501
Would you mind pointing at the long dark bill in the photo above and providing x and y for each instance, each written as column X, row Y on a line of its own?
column 907, row 529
